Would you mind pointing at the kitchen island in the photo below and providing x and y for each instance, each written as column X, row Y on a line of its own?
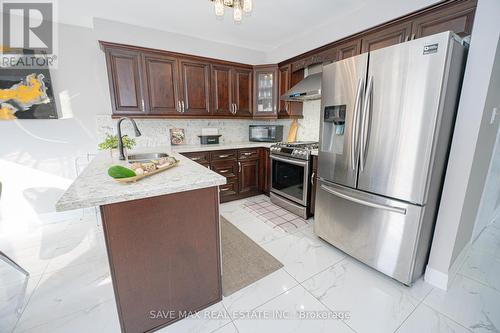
column 162, row 238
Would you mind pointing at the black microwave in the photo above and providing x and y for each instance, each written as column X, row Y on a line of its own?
column 265, row 133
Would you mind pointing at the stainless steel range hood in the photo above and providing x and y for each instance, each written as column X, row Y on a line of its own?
column 307, row 89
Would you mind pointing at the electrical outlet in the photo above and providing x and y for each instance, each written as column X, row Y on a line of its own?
column 494, row 114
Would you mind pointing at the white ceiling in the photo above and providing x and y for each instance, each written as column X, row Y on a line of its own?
column 275, row 27
column 271, row 23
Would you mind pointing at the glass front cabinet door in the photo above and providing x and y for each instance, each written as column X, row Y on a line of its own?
column 266, row 91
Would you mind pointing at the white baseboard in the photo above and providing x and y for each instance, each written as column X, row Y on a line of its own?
column 443, row 280
column 436, row 278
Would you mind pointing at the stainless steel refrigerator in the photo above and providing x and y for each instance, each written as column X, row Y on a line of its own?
column 386, row 126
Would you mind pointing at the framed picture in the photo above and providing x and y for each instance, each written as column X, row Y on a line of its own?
column 26, row 94
column 177, row 136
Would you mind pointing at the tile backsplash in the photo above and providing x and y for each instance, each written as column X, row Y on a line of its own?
column 156, row 132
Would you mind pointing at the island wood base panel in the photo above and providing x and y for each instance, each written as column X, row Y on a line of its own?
column 164, row 255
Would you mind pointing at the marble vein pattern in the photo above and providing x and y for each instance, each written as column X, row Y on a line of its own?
column 385, row 304
column 426, row 319
column 71, row 290
column 303, row 253
column 94, row 187
column 156, row 132
column 290, row 305
column 470, row 303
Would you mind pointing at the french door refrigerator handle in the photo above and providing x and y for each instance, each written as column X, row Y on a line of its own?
column 364, row 202
column 364, row 123
column 356, row 123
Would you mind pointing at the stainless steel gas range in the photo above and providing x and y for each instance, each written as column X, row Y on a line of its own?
column 290, row 174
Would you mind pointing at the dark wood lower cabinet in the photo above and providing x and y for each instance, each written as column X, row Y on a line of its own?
column 164, row 255
column 229, row 191
column 265, row 171
column 246, row 170
column 249, row 177
column 229, row 169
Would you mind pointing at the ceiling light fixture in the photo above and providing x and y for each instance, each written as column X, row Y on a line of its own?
column 239, row 7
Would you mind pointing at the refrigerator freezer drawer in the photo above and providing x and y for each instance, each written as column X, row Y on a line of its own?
column 383, row 233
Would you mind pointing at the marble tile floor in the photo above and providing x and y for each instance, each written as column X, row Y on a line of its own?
column 273, row 215
column 319, row 289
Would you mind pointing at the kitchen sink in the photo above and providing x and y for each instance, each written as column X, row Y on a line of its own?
column 145, row 157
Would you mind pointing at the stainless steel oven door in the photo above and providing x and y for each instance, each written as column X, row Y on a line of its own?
column 289, row 178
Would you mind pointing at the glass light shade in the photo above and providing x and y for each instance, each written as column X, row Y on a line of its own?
column 228, row 2
column 238, row 11
column 247, row 6
column 219, row 8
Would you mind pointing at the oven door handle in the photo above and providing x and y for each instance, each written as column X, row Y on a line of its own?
column 287, row 160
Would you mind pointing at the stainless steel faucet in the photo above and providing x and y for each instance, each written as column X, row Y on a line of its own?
column 120, row 139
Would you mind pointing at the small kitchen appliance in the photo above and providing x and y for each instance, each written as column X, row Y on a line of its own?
column 265, row 133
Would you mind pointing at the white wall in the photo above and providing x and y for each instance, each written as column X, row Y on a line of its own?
column 111, row 31
column 37, row 157
column 489, row 208
column 471, row 149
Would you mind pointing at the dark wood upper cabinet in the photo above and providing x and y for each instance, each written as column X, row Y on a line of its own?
column 154, row 83
column 457, row 18
column 125, row 80
column 386, row 37
column 348, row 49
column 286, row 80
column 162, row 84
column 284, row 84
column 222, row 90
column 195, row 84
column 243, row 88
column 266, row 91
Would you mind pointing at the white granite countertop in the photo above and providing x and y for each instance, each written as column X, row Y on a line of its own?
column 94, row 187
column 223, row 146
column 220, row 146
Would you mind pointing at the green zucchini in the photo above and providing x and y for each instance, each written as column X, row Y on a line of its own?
column 118, row 171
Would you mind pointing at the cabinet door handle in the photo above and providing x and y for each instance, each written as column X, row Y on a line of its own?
column 247, row 154
column 183, row 107
column 224, row 189
column 223, row 171
column 142, row 103
column 312, row 177
column 195, row 158
column 239, row 166
column 224, row 156
column 179, row 107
